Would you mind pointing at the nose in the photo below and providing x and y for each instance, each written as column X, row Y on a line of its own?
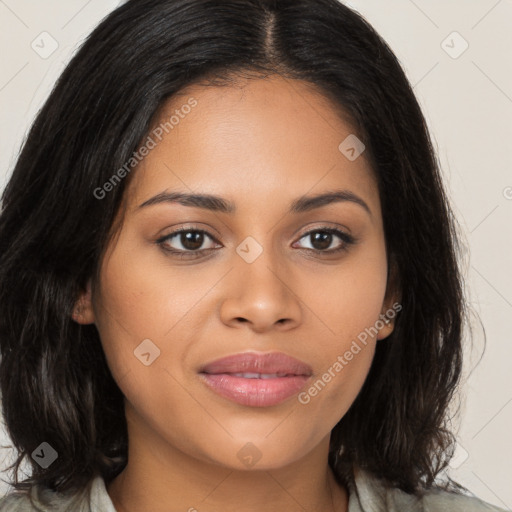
column 261, row 295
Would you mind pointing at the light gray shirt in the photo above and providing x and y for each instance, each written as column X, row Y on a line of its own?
column 368, row 495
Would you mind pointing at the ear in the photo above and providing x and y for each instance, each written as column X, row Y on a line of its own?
column 83, row 312
column 392, row 302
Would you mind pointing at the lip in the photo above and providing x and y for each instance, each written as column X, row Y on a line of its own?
column 286, row 376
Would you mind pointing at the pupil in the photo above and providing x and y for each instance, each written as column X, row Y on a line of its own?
column 192, row 240
column 324, row 238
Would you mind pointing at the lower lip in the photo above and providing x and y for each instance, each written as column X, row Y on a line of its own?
column 255, row 392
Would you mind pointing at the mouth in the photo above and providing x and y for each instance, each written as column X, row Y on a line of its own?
column 255, row 379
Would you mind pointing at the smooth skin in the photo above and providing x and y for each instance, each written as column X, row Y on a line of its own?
column 260, row 144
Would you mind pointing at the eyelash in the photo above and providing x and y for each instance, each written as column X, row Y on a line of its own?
column 345, row 237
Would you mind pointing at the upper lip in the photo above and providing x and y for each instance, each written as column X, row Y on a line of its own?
column 253, row 362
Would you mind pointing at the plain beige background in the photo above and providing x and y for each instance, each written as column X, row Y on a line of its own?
column 457, row 56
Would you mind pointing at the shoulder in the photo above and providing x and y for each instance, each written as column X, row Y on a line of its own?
column 445, row 501
column 20, row 501
column 15, row 502
column 93, row 498
column 370, row 493
column 39, row 500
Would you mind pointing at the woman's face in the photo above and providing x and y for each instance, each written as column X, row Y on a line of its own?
column 255, row 288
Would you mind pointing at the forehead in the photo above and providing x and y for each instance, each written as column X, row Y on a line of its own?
column 254, row 139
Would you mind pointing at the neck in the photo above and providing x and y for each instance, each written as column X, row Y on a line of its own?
column 159, row 475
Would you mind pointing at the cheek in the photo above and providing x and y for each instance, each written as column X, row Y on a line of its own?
column 335, row 387
column 346, row 299
column 129, row 310
column 147, row 309
column 134, row 311
column 348, row 302
column 146, row 295
column 136, row 302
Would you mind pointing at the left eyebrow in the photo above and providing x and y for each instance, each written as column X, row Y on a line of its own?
column 307, row 203
column 219, row 204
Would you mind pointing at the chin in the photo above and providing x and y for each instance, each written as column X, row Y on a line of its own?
column 259, row 453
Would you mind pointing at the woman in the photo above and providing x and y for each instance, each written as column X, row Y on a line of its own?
column 229, row 274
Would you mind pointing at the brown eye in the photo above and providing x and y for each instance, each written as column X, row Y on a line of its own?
column 186, row 241
column 322, row 239
column 191, row 240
